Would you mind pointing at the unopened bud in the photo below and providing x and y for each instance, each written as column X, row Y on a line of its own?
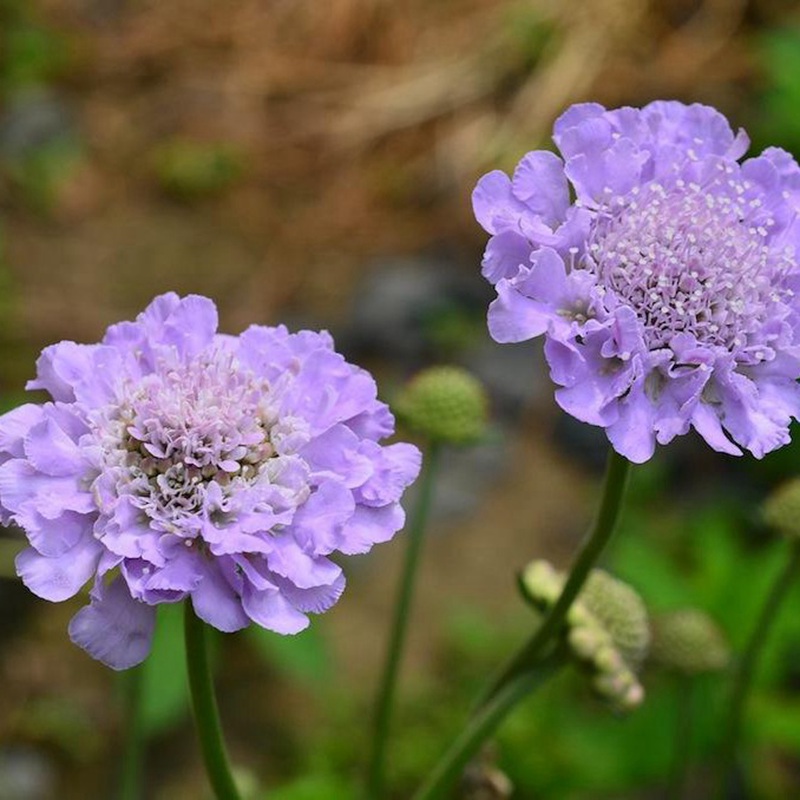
column 586, row 641
column 446, row 405
column 689, row 641
column 621, row 612
column 608, row 659
column 632, row 699
column 541, row 583
column 781, row 510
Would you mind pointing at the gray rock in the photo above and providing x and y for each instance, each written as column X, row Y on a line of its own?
column 31, row 120
column 26, row 774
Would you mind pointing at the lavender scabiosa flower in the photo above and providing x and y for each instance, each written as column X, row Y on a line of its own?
column 175, row 462
column 661, row 270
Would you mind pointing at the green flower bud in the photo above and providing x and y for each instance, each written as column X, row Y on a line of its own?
column 446, row 405
column 606, row 629
column 781, row 510
column 621, row 612
column 620, row 688
column 632, row 699
column 587, row 641
column 690, row 642
column 541, row 584
column 608, row 659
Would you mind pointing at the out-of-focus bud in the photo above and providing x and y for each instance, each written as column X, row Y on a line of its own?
column 781, row 510
column 621, row 612
column 446, row 405
column 690, row 642
column 606, row 630
column 541, row 583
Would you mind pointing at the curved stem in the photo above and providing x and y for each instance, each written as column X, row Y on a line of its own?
column 743, row 675
column 483, row 724
column 388, row 685
column 206, row 714
column 131, row 782
column 683, row 738
column 617, row 469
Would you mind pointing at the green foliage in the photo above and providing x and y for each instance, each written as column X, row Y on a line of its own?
column 304, row 657
column 778, row 121
column 165, row 693
column 31, row 54
column 313, row 788
column 41, row 172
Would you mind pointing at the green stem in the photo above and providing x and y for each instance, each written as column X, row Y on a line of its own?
column 131, row 781
column 483, row 724
column 206, row 714
column 683, row 738
column 617, row 469
column 388, row 685
column 743, row 675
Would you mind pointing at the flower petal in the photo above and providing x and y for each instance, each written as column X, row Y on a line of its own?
column 58, row 578
column 115, row 628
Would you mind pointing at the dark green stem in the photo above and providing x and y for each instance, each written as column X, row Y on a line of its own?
column 682, row 753
column 617, row 469
column 483, row 724
column 745, row 669
column 131, row 772
column 388, row 685
column 206, row 715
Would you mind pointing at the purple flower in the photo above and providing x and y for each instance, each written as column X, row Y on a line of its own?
column 662, row 272
column 175, row 462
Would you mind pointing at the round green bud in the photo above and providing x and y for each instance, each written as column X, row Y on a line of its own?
column 609, row 659
column 632, row 699
column 586, row 641
column 579, row 616
column 446, row 405
column 620, row 688
column 621, row 612
column 690, row 642
column 781, row 510
column 541, row 583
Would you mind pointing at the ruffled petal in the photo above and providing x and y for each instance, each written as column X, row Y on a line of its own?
column 114, row 628
column 540, row 183
column 216, row 602
column 58, row 578
column 505, row 253
column 494, row 204
column 319, row 521
column 396, row 467
column 270, row 609
column 370, row 526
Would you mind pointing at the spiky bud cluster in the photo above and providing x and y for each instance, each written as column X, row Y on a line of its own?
column 607, row 629
column 688, row 641
column 781, row 510
column 446, row 405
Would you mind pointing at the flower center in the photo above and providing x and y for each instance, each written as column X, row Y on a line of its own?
column 688, row 260
column 185, row 427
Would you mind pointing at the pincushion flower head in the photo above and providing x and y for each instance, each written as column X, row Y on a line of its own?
column 661, row 270
column 175, row 462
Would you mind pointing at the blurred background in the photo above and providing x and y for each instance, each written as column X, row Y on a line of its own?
column 311, row 163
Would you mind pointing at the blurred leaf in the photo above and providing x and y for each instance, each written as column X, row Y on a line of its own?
column 778, row 121
column 165, row 693
column 43, row 172
column 777, row 719
column 313, row 788
column 304, row 657
column 31, row 53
